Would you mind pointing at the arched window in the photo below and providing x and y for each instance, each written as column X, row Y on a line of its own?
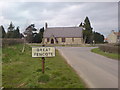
column 52, row 41
column 47, row 39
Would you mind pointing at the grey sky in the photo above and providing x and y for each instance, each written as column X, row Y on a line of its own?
column 103, row 15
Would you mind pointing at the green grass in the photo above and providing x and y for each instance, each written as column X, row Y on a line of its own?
column 20, row 70
column 109, row 55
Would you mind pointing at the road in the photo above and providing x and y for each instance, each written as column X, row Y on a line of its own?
column 96, row 70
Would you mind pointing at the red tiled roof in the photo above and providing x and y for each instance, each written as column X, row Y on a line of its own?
column 117, row 33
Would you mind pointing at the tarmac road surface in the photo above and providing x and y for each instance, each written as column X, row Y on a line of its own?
column 96, row 70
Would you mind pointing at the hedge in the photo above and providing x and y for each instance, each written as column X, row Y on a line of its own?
column 11, row 41
column 110, row 48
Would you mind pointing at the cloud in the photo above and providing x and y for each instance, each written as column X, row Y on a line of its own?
column 103, row 16
column 61, row 0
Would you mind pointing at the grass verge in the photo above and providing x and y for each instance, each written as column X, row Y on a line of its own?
column 109, row 55
column 20, row 70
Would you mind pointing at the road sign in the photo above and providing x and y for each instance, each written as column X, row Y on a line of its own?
column 43, row 51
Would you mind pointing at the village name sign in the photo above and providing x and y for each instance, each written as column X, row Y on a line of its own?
column 43, row 51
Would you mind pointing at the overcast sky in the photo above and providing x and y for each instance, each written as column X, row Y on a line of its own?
column 102, row 15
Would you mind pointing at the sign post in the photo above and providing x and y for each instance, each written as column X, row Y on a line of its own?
column 43, row 62
column 43, row 52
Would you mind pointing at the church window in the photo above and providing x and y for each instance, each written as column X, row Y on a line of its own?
column 63, row 39
column 47, row 39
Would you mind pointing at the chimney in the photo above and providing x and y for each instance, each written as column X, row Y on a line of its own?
column 46, row 25
column 112, row 31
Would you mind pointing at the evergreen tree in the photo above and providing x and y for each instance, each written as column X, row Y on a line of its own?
column 37, row 38
column 98, row 38
column 17, row 33
column 42, row 31
column 89, row 35
column 21, row 35
column 87, row 32
column 10, row 33
column 2, row 30
column 81, row 25
column 11, row 27
column 87, row 25
column 41, row 34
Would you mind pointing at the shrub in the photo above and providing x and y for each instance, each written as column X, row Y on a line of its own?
column 11, row 41
column 110, row 48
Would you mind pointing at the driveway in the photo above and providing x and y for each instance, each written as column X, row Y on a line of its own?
column 97, row 71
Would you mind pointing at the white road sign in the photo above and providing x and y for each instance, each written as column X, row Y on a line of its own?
column 43, row 51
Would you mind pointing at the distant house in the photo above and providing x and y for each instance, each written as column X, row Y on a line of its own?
column 113, row 37
column 63, row 35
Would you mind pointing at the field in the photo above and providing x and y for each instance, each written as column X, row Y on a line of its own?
column 20, row 70
column 109, row 55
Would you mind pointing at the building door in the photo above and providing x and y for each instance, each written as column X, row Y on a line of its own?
column 52, row 41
